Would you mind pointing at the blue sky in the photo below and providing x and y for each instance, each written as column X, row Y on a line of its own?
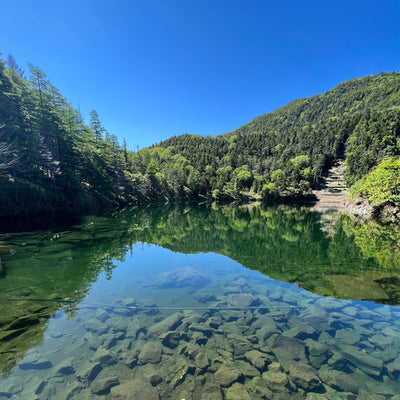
column 157, row 68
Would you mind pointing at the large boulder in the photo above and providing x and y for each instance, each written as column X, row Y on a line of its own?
column 182, row 277
column 287, row 350
column 136, row 389
column 304, row 376
column 150, row 353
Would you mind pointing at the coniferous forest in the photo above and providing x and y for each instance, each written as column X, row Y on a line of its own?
column 55, row 167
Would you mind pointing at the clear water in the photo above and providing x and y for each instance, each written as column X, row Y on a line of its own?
column 141, row 306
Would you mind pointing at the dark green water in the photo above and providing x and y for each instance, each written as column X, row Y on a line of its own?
column 202, row 303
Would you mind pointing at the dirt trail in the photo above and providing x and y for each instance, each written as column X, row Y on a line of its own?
column 333, row 191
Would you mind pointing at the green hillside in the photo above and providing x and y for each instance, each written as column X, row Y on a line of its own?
column 284, row 153
column 55, row 167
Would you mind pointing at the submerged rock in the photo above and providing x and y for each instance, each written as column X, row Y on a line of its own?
column 103, row 385
column 365, row 362
column 182, row 277
column 300, row 332
column 211, row 391
column 240, row 300
column 227, row 374
column 394, row 369
column 287, row 350
column 339, row 380
column 150, row 353
column 95, row 326
column 88, row 371
column 318, row 353
column 237, row 392
column 276, row 380
column 101, row 315
column 258, row 359
column 348, row 336
column 304, row 376
column 259, row 387
column 167, row 324
column 103, row 356
column 136, row 389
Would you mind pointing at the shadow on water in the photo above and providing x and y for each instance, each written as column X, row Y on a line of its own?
column 43, row 274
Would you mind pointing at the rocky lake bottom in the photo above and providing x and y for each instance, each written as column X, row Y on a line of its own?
column 202, row 327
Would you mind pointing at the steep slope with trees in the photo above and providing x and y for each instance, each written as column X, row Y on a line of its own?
column 54, row 167
column 284, row 153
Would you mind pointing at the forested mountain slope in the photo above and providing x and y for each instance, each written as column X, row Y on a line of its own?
column 53, row 166
column 284, row 153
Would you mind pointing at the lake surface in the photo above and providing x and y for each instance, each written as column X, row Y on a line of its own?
column 205, row 302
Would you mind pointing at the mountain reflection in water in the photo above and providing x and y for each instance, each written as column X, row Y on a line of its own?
column 327, row 254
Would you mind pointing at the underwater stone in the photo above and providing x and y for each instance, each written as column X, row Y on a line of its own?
column 276, row 381
column 214, row 321
column 101, row 315
column 88, row 371
column 180, row 375
column 347, row 336
column 382, row 341
column 365, row 362
column 362, row 395
column 258, row 359
column 394, row 369
column 103, row 385
column 231, row 315
column 237, row 392
column 103, row 356
column 95, row 326
column 200, row 338
column 301, row 332
column 316, row 396
column 155, row 379
column 118, row 325
column 93, row 341
column 170, row 339
column 204, row 328
column 211, row 391
column 113, row 338
column 182, row 277
column 287, row 350
column 304, row 376
column 239, row 344
column 150, row 353
column 352, row 311
column 339, row 380
column 70, row 392
column 227, row 373
column 136, row 389
column 318, row 353
column 258, row 386
column 247, row 369
column 192, row 349
column 167, row 324
column 240, row 300
column 231, row 327
column 201, row 361
column 337, row 361
column 329, row 303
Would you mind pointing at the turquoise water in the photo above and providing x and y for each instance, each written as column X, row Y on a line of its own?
column 100, row 311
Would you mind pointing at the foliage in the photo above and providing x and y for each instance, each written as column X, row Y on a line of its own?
column 382, row 185
column 54, row 166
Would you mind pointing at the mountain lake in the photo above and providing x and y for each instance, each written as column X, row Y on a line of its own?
column 204, row 302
